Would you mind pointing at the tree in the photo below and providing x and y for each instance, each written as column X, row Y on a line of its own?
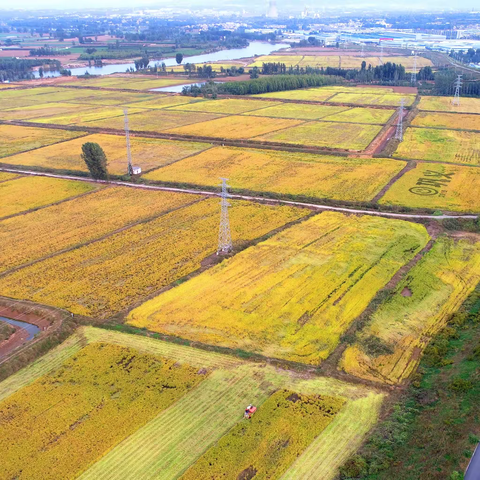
column 96, row 160
column 40, row 72
column 179, row 58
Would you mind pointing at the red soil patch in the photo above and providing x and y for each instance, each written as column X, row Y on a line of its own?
column 28, row 317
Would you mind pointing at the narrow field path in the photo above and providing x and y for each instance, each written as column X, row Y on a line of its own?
column 312, row 206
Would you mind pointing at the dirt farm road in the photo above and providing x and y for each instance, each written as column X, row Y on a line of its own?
column 312, row 206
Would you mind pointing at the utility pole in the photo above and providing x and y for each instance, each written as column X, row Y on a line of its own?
column 456, row 96
column 399, row 130
column 127, row 136
column 224, row 235
column 413, row 78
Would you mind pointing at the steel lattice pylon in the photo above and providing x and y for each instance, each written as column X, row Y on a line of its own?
column 458, row 86
column 224, row 235
column 127, row 136
column 399, row 130
column 413, row 78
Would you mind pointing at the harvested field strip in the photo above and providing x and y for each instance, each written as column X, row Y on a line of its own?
column 228, row 106
column 26, row 193
column 20, row 139
column 97, row 398
column 105, row 277
column 346, row 136
column 311, row 281
column 147, row 153
column 440, row 145
column 80, row 221
column 325, row 455
column 235, row 127
column 387, row 349
column 188, row 428
column 444, row 104
column 455, row 121
column 284, row 173
column 437, row 186
column 279, row 432
column 151, row 120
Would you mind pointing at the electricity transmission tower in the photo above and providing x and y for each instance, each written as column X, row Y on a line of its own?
column 458, row 86
column 413, row 78
column 127, row 136
column 224, row 236
column 399, row 130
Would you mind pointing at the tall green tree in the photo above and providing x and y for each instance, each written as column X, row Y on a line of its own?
column 96, row 160
column 179, row 58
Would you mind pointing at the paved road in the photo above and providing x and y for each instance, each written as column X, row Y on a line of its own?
column 243, row 197
column 473, row 470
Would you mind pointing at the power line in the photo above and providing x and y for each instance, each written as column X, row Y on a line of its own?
column 399, row 130
column 224, row 235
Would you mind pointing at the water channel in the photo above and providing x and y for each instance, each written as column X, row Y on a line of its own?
column 255, row 48
column 31, row 329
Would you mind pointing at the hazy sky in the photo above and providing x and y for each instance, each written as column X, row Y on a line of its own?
column 255, row 4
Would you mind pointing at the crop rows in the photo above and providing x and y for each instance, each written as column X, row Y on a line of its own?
column 292, row 296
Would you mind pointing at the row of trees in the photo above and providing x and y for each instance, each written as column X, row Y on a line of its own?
column 444, row 84
column 470, row 56
column 263, row 85
column 21, row 69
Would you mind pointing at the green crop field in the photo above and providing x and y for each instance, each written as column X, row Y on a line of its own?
column 178, row 436
column 440, row 145
column 347, row 136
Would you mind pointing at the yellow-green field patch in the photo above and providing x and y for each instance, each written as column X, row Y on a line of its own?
column 440, row 145
column 20, row 139
column 320, row 94
column 25, row 193
column 235, row 126
column 130, row 82
column 444, row 104
column 391, row 99
column 42, row 110
column 226, row 106
column 293, row 295
column 348, row 136
column 362, row 115
column 163, row 101
column 437, row 186
column 455, row 121
column 283, row 172
column 147, row 153
column 297, row 110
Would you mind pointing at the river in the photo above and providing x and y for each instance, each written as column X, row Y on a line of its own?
column 255, row 48
column 31, row 329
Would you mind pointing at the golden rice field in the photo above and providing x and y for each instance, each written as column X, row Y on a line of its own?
column 71, row 224
column 114, row 98
column 161, row 101
column 151, row 120
column 387, row 349
column 228, row 106
column 234, row 127
column 147, row 153
column 347, row 136
column 21, row 139
column 291, row 296
column 283, row 172
column 454, row 121
column 440, row 145
column 444, row 104
column 97, row 398
column 27, row 193
column 201, row 417
column 386, row 99
column 83, row 117
column 109, row 275
column 4, row 176
column 42, row 110
column 297, row 110
column 128, row 82
column 438, row 186
column 362, row 115
column 268, row 444
column 321, row 94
